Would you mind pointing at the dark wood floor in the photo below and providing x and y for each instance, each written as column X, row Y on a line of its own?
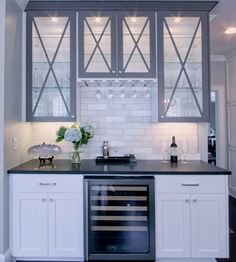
column 232, row 224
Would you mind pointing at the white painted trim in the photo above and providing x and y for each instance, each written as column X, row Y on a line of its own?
column 227, row 212
column 218, row 58
column 231, row 55
column 221, row 126
column 7, row 257
column 22, row 4
column 24, row 67
column 231, row 103
column 232, row 147
column 158, row 259
column 50, row 259
column 202, row 133
column 232, row 191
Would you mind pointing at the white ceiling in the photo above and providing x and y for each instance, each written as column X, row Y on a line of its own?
column 221, row 44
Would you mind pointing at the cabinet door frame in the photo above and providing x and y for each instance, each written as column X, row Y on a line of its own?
column 151, row 16
column 55, row 251
column 161, row 252
column 17, row 249
column 29, row 103
column 222, row 227
column 81, row 72
column 203, row 15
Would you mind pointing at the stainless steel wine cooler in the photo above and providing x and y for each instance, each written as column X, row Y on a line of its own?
column 119, row 218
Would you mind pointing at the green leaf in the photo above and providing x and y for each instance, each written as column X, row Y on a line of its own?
column 61, row 131
column 59, row 139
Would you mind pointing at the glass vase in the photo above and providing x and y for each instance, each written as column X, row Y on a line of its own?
column 76, row 155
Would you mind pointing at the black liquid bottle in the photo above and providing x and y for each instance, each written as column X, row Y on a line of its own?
column 173, row 151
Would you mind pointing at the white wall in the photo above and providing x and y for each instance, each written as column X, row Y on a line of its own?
column 13, row 125
column 125, row 123
column 2, row 65
column 231, row 105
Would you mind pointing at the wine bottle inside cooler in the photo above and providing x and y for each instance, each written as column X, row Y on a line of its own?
column 173, row 151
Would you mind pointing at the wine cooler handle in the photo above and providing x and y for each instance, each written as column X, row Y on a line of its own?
column 86, row 220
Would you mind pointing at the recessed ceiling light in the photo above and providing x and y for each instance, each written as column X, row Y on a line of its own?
column 98, row 19
column 177, row 19
column 54, row 19
column 230, row 31
column 134, row 19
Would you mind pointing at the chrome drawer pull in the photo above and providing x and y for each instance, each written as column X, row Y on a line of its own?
column 47, row 184
column 183, row 184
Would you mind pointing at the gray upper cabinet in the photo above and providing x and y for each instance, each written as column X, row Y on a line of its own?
column 183, row 66
column 136, row 44
column 97, row 44
column 51, row 72
column 117, row 44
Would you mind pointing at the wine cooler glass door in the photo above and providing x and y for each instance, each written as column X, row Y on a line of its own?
column 119, row 218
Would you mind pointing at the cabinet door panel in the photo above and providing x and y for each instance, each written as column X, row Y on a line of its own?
column 137, row 55
column 172, row 225
column 29, row 225
column 183, row 66
column 51, row 79
column 208, row 226
column 97, row 49
column 66, row 225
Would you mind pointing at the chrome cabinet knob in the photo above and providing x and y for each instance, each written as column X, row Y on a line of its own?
column 194, row 200
column 43, row 199
column 51, row 199
column 161, row 117
column 72, row 116
column 187, row 200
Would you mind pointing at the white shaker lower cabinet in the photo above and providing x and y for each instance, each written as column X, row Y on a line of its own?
column 49, row 222
column 208, row 225
column 29, row 224
column 191, row 217
column 65, row 224
column 172, row 226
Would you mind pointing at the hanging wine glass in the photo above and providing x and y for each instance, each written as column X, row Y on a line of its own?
column 122, row 92
column 98, row 93
column 110, row 94
column 134, row 92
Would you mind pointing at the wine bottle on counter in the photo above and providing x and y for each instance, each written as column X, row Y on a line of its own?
column 173, row 151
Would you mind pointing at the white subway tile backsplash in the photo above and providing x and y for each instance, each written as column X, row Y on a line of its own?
column 125, row 122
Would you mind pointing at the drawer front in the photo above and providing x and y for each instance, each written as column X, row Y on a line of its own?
column 47, row 183
column 190, row 184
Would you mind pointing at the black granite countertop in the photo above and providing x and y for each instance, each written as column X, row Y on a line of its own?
column 144, row 167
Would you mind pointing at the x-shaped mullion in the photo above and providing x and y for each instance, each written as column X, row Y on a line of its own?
column 97, row 44
column 136, row 45
column 51, row 63
column 183, row 69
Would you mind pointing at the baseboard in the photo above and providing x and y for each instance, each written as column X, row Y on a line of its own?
column 7, row 257
column 186, row 260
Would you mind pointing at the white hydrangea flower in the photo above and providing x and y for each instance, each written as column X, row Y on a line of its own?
column 87, row 128
column 73, row 135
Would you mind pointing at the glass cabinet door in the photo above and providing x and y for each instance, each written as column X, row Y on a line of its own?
column 183, row 66
column 97, row 45
column 51, row 67
column 137, row 47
